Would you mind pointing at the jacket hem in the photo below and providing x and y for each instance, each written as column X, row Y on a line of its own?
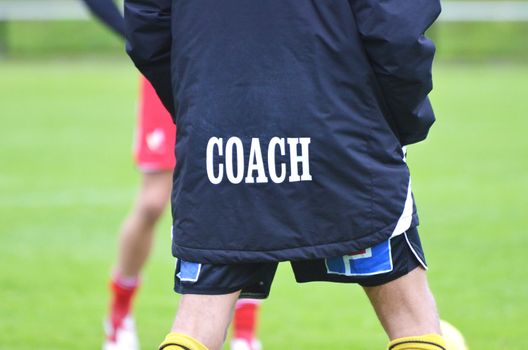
column 321, row 251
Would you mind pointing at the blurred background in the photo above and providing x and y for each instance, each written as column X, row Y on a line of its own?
column 68, row 98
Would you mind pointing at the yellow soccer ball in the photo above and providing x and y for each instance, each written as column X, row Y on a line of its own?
column 453, row 338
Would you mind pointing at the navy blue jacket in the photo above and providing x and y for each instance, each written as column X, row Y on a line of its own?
column 108, row 13
column 291, row 119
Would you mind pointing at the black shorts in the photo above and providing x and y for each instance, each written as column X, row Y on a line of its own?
column 375, row 266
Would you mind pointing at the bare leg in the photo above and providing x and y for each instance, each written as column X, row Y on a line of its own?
column 406, row 306
column 138, row 229
column 205, row 317
column 134, row 247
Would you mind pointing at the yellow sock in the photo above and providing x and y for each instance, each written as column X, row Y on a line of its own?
column 422, row 342
column 179, row 341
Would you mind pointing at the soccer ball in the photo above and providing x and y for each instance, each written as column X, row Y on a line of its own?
column 453, row 338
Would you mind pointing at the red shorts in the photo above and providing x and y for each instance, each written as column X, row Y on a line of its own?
column 155, row 133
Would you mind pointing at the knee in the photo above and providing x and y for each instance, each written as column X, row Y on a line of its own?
column 150, row 209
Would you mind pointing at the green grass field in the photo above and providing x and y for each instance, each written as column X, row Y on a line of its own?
column 67, row 180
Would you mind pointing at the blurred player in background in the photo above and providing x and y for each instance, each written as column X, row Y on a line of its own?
column 154, row 157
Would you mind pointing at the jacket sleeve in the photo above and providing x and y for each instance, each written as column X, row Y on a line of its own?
column 108, row 13
column 148, row 43
column 401, row 56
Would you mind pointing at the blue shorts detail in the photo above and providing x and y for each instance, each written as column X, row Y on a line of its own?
column 371, row 261
column 188, row 271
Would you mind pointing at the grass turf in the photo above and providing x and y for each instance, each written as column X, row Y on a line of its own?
column 67, row 180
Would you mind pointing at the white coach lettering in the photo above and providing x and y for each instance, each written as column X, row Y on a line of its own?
column 255, row 163
column 218, row 142
column 235, row 179
column 231, row 160
column 276, row 141
column 304, row 158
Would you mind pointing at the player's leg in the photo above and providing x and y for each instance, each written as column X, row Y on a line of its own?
column 135, row 241
column 154, row 155
column 245, row 325
column 138, row 229
column 393, row 276
column 209, row 296
column 201, row 322
column 407, row 311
